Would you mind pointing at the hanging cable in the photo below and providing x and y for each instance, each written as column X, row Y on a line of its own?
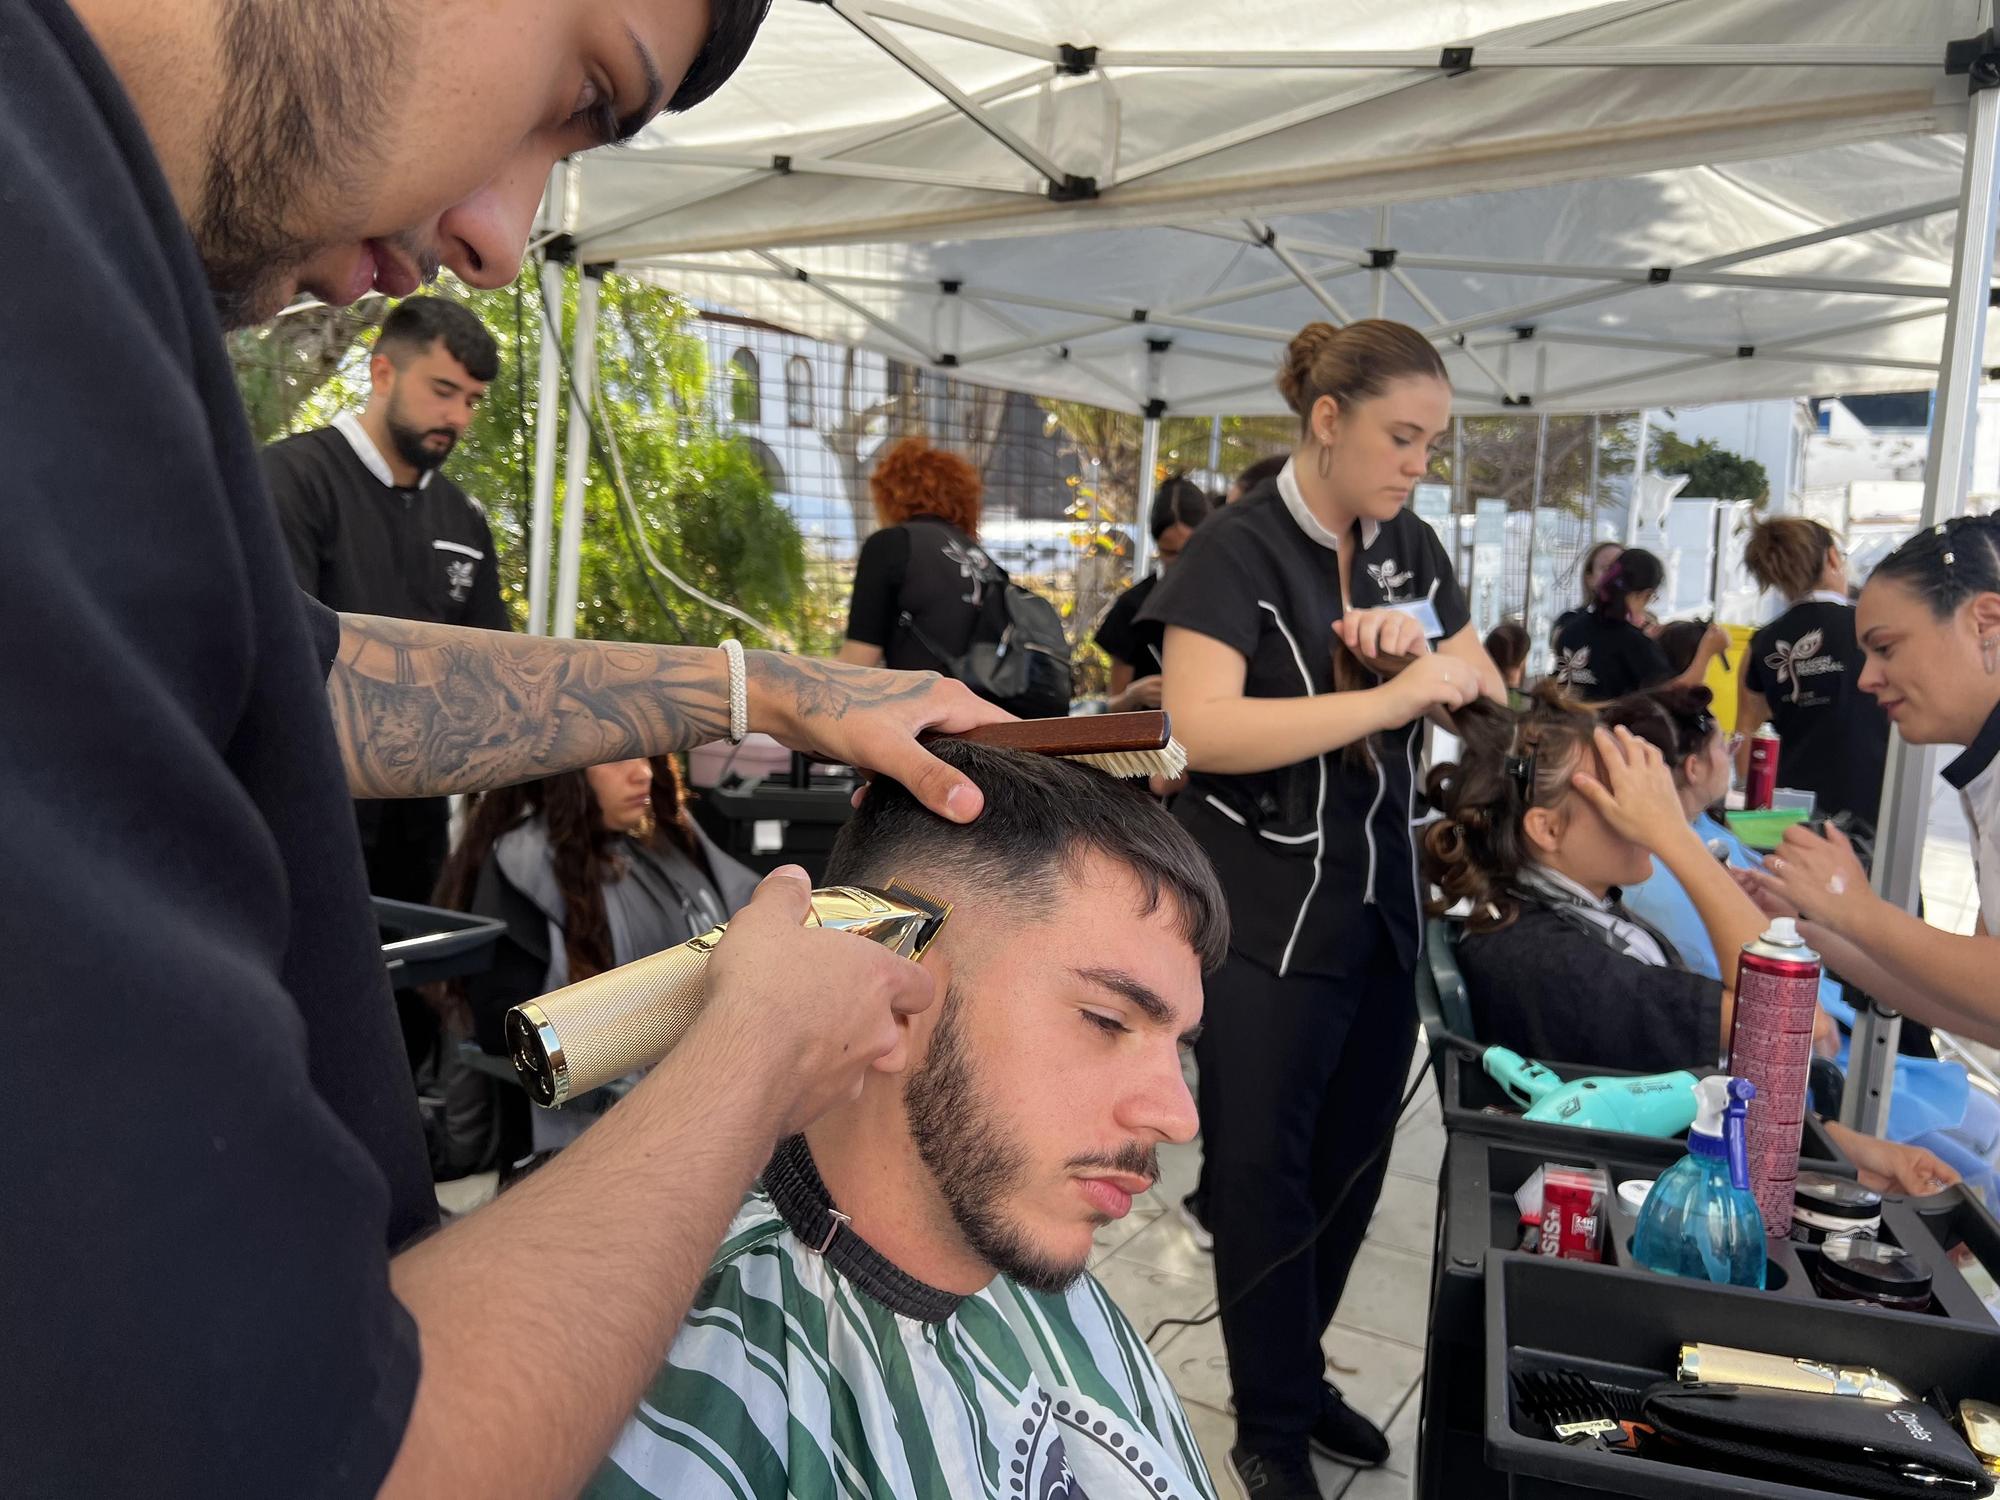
column 632, row 523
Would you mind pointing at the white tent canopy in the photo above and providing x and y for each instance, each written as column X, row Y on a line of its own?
column 1617, row 205
column 1137, row 202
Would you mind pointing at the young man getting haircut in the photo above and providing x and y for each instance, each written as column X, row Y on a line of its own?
column 901, row 1308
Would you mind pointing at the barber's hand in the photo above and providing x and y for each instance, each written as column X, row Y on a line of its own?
column 1640, row 802
column 1888, row 1167
column 1385, row 640
column 1140, row 693
column 870, row 718
column 1818, row 877
column 814, row 1011
column 1715, row 639
column 1433, row 682
column 1826, row 1035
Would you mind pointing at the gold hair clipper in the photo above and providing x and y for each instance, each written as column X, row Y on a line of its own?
column 1718, row 1364
column 577, row 1038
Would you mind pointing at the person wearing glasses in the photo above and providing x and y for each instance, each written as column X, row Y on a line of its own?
column 1803, row 674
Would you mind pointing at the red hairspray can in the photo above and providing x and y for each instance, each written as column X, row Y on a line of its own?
column 1763, row 778
column 1777, row 1000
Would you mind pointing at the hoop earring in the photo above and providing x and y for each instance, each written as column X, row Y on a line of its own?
column 1989, row 651
column 1324, row 463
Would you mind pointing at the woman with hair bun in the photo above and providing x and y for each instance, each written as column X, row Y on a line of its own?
column 1803, row 673
column 1309, row 627
column 1929, row 622
column 1604, row 653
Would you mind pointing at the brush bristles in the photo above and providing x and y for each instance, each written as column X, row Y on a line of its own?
column 1169, row 761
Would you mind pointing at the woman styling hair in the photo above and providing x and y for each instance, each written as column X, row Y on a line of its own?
column 1804, row 673
column 1547, row 814
column 1929, row 620
column 1135, row 648
column 1604, row 653
column 1933, row 1104
column 589, row 870
column 1308, row 628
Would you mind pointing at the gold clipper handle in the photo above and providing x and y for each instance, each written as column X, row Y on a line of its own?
column 580, row 1037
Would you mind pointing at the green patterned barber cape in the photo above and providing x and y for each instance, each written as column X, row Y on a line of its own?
column 835, row 1376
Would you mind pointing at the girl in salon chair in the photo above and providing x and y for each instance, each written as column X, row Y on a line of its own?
column 1544, row 817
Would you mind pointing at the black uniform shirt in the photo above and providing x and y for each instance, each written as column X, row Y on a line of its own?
column 1833, row 739
column 931, row 571
column 1313, row 855
column 1598, row 660
column 1123, row 636
column 363, row 545
column 211, row 1140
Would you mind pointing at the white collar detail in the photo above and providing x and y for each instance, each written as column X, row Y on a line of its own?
column 349, row 426
column 1827, row 596
column 1295, row 502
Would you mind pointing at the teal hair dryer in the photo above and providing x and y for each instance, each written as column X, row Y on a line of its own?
column 1661, row 1104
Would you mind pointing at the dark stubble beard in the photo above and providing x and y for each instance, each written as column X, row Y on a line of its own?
column 303, row 83
column 409, row 440
column 977, row 1164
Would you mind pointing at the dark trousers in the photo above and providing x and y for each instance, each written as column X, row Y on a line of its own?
column 404, row 842
column 1300, row 1078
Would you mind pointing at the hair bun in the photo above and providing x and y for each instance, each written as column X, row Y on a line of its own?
column 1295, row 376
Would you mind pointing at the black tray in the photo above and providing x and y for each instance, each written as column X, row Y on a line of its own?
column 1471, row 1100
column 424, row 944
column 1626, row 1327
column 809, row 818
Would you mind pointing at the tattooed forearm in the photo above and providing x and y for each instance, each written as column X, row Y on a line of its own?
column 424, row 710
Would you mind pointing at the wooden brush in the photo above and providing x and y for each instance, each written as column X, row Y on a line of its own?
column 1130, row 746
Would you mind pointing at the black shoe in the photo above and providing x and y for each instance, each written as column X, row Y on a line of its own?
column 1345, row 1436
column 1273, row 1476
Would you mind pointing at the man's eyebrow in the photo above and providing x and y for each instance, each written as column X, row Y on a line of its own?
column 656, row 90
column 1141, row 995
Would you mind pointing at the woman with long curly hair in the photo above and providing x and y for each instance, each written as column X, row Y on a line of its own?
column 922, row 577
column 589, row 870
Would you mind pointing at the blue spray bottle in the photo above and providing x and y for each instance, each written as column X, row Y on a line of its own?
column 1701, row 1219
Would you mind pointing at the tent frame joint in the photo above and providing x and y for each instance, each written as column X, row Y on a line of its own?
column 782, row 165
column 1978, row 58
column 1381, row 260
column 1659, row 275
column 1158, row 346
column 1075, row 61
column 1071, row 188
column 1523, row 332
column 1746, row 351
column 560, row 249
column 1517, row 401
column 1453, row 61
column 1156, row 409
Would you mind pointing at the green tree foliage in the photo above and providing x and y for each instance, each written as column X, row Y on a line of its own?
column 1714, row 473
column 704, row 504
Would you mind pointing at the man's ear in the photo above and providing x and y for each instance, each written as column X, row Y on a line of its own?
column 1543, row 827
column 381, row 372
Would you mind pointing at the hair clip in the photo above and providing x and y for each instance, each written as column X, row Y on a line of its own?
column 1521, row 771
column 1943, row 530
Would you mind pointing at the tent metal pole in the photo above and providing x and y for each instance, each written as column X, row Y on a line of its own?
column 965, row 31
column 1432, row 310
column 1907, row 784
column 860, row 19
column 1381, row 273
column 1698, row 55
column 1635, row 493
column 1468, row 557
column 576, row 467
column 1534, row 33
column 1534, row 521
column 1215, row 444
column 1596, row 444
column 591, row 234
column 875, row 320
column 548, row 395
column 1142, row 494
column 1269, row 237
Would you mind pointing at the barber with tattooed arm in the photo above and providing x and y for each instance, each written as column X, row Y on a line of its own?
column 214, row 1200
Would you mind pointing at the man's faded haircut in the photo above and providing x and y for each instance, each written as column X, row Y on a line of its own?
column 732, row 28
column 1043, row 816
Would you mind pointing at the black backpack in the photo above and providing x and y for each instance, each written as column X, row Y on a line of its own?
column 1018, row 656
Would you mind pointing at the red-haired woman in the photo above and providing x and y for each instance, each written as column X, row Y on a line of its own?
column 922, row 577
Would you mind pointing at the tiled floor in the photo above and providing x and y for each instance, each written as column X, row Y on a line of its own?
column 1374, row 1349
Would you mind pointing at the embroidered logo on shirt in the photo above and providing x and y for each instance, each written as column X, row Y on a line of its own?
column 1794, row 661
column 1573, row 668
column 1389, row 579
column 458, row 577
column 973, row 564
